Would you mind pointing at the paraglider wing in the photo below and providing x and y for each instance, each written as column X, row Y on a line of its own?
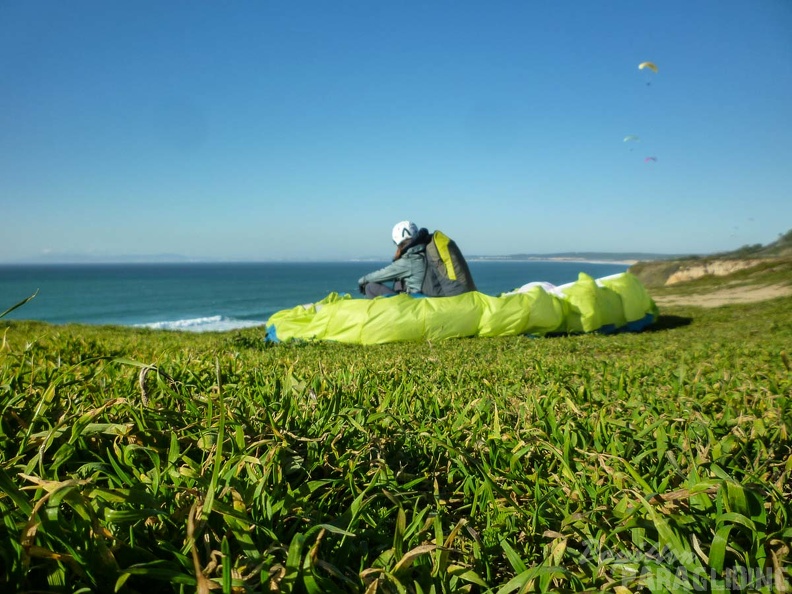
column 650, row 65
column 631, row 137
column 652, row 159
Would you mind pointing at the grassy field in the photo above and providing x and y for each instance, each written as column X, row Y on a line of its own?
column 145, row 461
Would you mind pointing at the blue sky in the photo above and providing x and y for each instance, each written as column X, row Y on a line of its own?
column 261, row 130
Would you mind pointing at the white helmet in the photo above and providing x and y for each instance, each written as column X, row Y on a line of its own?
column 404, row 230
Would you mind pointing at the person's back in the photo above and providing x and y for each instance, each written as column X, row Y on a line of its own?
column 407, row 271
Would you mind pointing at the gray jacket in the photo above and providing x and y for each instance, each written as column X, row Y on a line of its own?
column 410, row 268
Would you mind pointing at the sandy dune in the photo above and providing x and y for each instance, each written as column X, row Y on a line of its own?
column 726, row 295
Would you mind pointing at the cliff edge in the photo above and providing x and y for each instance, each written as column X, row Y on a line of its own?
column 752, row 273
column 659, row 273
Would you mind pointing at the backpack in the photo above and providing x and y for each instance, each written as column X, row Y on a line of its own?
column 447, row 273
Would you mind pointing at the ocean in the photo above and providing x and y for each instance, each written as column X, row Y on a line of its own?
column 219, row 297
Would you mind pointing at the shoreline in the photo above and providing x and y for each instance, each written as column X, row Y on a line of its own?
column 570, row 260
column 143, row 263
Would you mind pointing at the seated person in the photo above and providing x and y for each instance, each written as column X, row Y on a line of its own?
column 406, row 272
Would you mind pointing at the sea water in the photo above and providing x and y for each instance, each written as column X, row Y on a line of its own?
column 218, row 297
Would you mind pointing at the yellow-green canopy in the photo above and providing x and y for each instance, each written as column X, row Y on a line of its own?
column 615, row 303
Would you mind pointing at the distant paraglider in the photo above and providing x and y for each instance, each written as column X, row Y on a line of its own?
column 649, row 69
column 631, row 138
column 647, row 66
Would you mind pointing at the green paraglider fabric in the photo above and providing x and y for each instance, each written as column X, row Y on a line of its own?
column 619, row 302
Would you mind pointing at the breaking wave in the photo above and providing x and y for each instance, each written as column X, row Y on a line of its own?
column 206, row 324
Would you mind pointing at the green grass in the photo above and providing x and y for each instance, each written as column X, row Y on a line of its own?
column 144, row 461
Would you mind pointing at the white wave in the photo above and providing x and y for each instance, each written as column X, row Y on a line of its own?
column 206, row 324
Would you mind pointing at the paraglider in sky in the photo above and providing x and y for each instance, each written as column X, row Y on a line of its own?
column 650, row 160
column 646, row 67
column 631, row 138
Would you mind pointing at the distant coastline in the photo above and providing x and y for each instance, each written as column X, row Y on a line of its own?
column 570, row 259
column 627, row 258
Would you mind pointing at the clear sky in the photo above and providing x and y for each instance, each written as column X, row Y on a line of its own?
column 261, row 130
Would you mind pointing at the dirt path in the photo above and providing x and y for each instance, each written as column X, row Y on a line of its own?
column 726, row 295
